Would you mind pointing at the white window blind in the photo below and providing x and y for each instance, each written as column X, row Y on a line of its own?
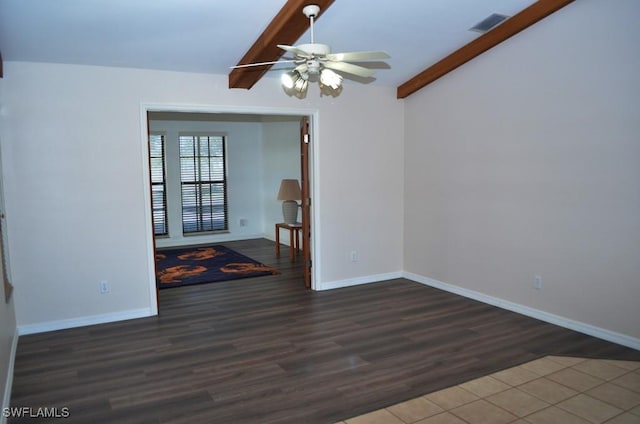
column 158, row 184
column 203, row 182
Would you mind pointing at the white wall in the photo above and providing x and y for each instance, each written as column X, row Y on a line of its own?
column 525, row 162
column 244, row 179
column 8, row 339
column 281, row 160
column 76, row 188
column 8, row 343
column 8, row 334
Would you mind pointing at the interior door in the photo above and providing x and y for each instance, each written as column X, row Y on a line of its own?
column 305, row 139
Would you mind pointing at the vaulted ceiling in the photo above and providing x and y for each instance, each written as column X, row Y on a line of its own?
column 210, row 36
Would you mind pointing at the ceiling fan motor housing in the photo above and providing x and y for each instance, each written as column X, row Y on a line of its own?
column 315, row 49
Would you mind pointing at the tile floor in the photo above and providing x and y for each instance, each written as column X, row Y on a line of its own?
column 550, row 390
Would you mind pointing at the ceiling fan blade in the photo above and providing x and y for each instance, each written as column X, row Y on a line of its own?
column 248, row 65
column 349, row 68
column 352, row 56
column 292, row 49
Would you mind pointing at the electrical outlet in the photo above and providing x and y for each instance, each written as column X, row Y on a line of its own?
column 244, row 222
column 354, row 256
column 537, row 282
column 104, row 287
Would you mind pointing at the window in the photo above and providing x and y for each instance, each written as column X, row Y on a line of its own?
column 158, row 184
column 203, row 182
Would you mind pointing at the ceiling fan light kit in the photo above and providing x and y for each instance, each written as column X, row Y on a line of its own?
column 315, row 62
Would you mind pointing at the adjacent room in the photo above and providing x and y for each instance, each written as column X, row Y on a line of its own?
column 469, row 212
column 216, row 178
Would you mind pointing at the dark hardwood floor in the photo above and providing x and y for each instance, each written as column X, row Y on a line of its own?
column 266, row 350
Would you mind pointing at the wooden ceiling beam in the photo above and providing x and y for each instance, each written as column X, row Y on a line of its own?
column 518, row 22
column 286, row 28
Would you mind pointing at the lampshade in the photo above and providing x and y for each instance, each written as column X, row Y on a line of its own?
column 289, row 190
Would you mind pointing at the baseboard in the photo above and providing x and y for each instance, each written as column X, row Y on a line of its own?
column 8, row 385
column 284, row 240
column 359, row 280
column 165, row 243
column 83, row 321
column 581, row 327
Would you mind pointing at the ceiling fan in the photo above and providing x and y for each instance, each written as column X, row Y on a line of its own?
column 315, row 62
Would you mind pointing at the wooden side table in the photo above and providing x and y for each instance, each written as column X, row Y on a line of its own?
column 294, row 238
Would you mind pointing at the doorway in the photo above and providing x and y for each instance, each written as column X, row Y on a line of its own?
column 256, row 210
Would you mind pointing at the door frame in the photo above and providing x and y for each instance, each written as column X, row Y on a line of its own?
column 305, row 204
column 313, row 115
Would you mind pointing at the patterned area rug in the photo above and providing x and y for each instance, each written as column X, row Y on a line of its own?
column 211, row 264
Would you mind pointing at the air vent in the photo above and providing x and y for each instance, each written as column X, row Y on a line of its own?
column 488, row 23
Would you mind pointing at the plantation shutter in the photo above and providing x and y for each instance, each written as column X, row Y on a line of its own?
column 158, row 184
column 203, row 182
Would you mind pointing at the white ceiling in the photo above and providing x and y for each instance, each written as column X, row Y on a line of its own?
column 210, row 36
